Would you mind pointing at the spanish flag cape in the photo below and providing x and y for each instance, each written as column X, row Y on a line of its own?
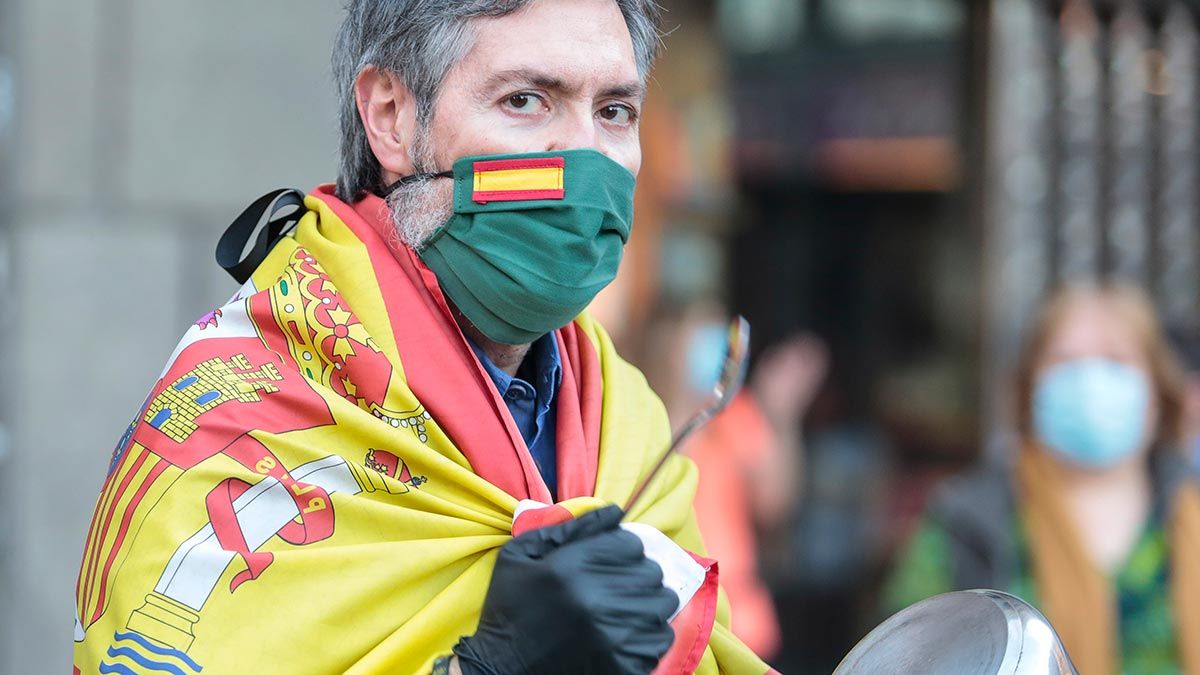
column 322, row 477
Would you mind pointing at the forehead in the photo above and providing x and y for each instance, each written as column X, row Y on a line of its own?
column 579, row 40
column 1093, row 327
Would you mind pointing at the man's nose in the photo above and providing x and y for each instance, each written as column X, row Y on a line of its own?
column 572, row 131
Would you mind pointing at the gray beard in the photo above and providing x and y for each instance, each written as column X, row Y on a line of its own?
column 419, row 208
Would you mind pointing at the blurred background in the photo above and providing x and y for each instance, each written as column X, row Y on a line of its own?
column 895, row 184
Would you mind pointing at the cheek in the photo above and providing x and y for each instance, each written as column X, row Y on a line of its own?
column 628, row 155
column 632, row 151
column 635, row 165
column 486, row 138
column 455, row 135
column 623, row 147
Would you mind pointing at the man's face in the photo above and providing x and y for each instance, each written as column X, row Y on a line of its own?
column 556, row 75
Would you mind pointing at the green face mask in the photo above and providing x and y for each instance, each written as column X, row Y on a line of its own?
column 533, row 239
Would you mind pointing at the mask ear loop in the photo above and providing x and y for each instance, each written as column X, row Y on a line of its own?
column 416, row 177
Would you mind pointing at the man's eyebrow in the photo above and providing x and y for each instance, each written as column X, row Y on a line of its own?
column 543, row 80
column 526, row 76
column 634, row 90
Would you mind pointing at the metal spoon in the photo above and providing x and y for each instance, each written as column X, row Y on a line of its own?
column 733, row 374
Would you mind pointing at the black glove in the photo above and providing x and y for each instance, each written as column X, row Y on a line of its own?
column 578, row 597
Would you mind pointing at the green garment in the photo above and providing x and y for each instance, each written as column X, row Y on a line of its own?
column 1147, row 625
column 526, row 255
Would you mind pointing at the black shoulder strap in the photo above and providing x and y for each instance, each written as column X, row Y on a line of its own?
column 273, row 215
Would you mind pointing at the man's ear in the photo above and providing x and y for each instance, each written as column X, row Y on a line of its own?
column 389, row 115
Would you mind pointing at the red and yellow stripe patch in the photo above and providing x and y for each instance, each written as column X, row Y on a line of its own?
column 512, row 180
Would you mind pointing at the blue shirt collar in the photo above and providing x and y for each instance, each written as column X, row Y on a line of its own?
column 532, row 405
column 547, row 368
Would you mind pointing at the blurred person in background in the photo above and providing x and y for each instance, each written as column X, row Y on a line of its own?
column 333, row 470
column 1097, row 519
column 1187, row 344
column 750, row 461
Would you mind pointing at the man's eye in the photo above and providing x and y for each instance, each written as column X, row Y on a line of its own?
column 522, row 102
column 618, row 114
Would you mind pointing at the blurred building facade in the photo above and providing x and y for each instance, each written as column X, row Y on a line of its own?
column 1093, row 159
column 855, row 173
column 912, row 178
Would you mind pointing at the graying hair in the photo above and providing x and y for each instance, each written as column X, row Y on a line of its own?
column 419, row 41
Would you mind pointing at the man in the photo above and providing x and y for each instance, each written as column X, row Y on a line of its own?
column 347, row 467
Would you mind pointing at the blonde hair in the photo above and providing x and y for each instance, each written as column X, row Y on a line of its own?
column 1131, row 307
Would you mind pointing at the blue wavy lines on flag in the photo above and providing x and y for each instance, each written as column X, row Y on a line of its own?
column 107, row 668
column 132, row 654
column 161, row 651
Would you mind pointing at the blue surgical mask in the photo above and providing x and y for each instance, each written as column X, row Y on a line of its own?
column 1091, row 412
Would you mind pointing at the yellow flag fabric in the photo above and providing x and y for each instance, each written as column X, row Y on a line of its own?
column 321, row 478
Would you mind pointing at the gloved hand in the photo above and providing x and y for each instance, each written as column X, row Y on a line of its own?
column 578, row 597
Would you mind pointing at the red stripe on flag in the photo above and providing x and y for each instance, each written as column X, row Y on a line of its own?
column 693, row 625
column 536, row 519
column 515, row 164
column 101, row 504
column 112, row 507
column 159, row 467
